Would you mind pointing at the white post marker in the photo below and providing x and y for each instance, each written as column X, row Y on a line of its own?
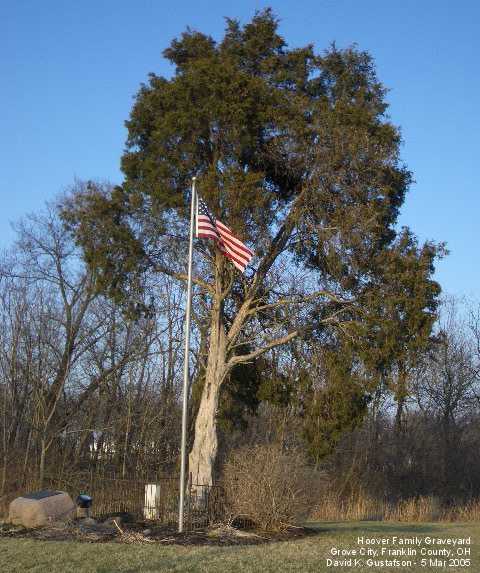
column 152, row 501
column 183, row 452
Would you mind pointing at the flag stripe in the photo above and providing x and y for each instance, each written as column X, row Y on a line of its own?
column 234, row 257
column 226, row 232
column 226, row 248
column 239, row 264
column 241, row 257
column 235, row 243
column 207, row 231
column 240, row 267
column 205, row 228
column 240, row 252
column 235, row 246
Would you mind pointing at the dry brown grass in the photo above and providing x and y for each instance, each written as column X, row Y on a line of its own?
column 418, row 509
column 422, row 509
column 468, row 512
column 359, row 508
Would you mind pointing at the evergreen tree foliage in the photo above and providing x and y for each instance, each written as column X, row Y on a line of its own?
column 294, row 151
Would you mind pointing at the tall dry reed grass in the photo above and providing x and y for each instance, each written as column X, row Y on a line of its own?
column 418, row 509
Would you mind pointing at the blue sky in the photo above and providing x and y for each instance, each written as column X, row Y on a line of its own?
column 70, row 69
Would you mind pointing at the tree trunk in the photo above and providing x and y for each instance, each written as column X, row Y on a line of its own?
column 126, row 441
column 398, row 426
column 26, row 457
column 4, row 472
column 205, row 445
column 401, row 392
column 41, row 472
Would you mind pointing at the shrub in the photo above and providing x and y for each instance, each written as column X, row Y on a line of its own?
column 267, row 486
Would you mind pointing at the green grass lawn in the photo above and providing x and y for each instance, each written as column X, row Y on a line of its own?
column 304, row 555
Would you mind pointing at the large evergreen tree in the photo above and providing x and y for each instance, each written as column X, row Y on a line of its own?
column 294, row 152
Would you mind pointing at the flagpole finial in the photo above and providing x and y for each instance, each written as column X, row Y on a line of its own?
column 194, row 178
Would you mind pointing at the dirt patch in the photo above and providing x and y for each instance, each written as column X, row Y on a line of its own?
column 91, row 531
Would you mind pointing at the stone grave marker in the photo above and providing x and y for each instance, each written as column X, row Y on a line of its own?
column 41, row 508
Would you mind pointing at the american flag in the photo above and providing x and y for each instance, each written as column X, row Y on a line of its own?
column 209, row 227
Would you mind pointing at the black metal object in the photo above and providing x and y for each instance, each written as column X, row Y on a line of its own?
column 84, row 501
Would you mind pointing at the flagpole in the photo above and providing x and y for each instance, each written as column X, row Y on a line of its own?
column 183, row 453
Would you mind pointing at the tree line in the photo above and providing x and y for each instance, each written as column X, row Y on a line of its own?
column 83, row 385
column 87, row 386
